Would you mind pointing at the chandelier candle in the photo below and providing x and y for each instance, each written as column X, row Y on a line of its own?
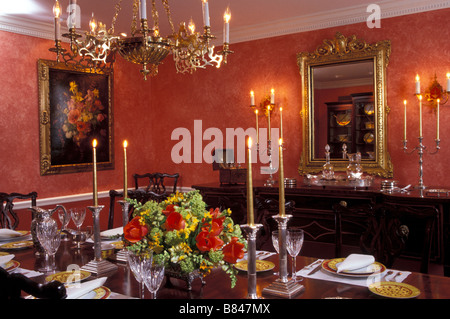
column 226, row 26
column 250, row 217
column 57, row 14
column 125, row 184
column 94, row 165
column 206, row 13
column 417, row 84
column 143, row 9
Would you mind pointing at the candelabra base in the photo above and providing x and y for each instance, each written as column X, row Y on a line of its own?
column 121, row 256
column 282, row 289
column 99, row 267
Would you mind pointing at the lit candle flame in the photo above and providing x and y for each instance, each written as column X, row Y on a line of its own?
column 94, row 143
column 417, row 78
column 93, row 23
column 249, row 142
column 191, row 26
column 280, row 141
column 57, row 10
column 125, row 144
column 227, row 15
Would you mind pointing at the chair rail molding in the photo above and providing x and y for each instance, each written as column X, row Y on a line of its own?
column 59, row 200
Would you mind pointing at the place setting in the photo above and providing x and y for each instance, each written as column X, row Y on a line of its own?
column 362, row 270
column 15, row 239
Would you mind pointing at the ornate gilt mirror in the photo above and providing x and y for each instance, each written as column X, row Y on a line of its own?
column 344, row 105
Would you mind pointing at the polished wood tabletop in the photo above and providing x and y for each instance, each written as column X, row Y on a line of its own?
column 123, row 283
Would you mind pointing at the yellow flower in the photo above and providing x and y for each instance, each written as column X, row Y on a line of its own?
column 73, row 87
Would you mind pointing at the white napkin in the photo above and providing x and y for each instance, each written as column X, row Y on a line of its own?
column 6, row 233
column 77, row 290
column 355, row 261
column 112, row 232
column 5, row 259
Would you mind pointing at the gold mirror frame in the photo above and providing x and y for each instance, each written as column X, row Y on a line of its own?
column 343, row 50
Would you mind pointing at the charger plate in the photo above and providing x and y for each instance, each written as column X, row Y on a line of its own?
column 330, row 266
column 392, row 289
column 261, row 265
column 17, row 245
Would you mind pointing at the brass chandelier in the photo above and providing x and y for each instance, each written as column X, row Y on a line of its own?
column 97, row 48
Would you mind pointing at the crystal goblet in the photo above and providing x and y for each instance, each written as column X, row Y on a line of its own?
column 153, row 276
column 294, row 243
column 136, row 262
column 78, row 215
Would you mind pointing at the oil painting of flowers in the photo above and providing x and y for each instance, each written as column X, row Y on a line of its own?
column 79, row 112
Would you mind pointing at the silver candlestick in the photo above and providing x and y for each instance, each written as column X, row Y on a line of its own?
column 421, row 150
column 121, row 255
column 283, row 287
column 251, row 231
column 98, row 265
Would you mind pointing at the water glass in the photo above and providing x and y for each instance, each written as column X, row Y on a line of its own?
column 64, row 219
column 78, row 215
column 294, row 243
column 137, row 263
column 153, row 276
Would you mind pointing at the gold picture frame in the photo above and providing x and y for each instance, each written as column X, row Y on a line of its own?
column 75, row 106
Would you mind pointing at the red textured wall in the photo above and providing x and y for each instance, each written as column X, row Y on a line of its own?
column 146, row 112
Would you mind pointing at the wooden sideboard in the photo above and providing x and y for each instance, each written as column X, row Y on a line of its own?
column 313, row 211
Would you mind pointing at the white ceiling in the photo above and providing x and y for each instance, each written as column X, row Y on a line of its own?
column 251, row 19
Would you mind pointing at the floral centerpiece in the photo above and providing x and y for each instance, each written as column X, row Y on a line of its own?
column 185, row 235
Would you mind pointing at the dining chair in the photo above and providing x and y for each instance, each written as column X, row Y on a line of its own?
column 349, row 223
column 155, row 182
column 389, row 228
column 8, row 216
column 12, row 285
column 139, row 194
column 266, row 208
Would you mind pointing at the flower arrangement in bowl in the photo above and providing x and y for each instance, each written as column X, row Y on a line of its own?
column 182, row 233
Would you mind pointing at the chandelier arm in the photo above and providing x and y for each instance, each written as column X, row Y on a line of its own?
column 155, row 16
column 169, row 16
column 118, row 7
column 135, row 15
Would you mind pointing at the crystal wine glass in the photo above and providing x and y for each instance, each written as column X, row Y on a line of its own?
column 64, row 219
column 78, row 215
column 153, row 276
column 136, row 263
column 294, row 243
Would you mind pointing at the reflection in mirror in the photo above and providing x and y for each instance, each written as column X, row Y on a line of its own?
column 344, row 105
column 343, row 109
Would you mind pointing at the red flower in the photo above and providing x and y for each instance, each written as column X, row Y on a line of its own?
column 216, row 226
column 134, row 231
column 175, row 221
column 206, row 242
column 233, row 251
column 169, row 209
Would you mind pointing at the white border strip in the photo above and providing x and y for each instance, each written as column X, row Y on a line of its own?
column 60, row 200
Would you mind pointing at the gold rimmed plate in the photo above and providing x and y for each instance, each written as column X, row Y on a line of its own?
column 67, row 277
column 330, row 266
column 11, row 265
column 261, row 265
column 98, row 293
column 23, row 235
column 17, row 245
column 392, row 289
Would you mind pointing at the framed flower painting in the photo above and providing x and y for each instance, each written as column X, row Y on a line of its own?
column 75, row 107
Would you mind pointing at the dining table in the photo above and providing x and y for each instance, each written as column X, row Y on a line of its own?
column 317, row 282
